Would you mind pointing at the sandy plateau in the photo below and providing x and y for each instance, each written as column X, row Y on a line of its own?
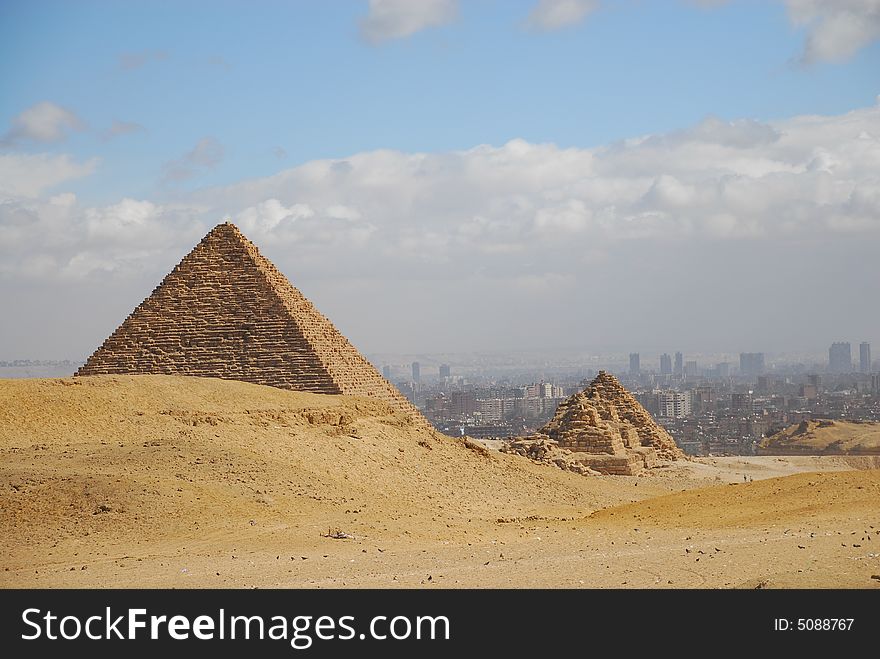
column 160, row 481
column 824, row 437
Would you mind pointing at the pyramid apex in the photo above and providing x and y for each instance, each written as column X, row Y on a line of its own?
column 227, row 230
column 604, row 376
column 225, row 226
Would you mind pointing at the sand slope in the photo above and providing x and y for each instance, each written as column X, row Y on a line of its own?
column 191, row 482
column 788, row 499
column 824, row 438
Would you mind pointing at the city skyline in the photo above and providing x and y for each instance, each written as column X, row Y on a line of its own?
column 452, row 176
column 718, row 409
column 750, row 365
column 756, row 363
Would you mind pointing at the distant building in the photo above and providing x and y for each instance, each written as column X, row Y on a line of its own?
column 722, row 370
column 702, row 399
column 674, row 404
column 665, row 364
column 809, row 391
column 751, row 363
column 437, row 407
column 875, row 382
column 386, row 372
column 408, row 390
column 741, row 402
column 462, row 403
column 634, row 368
column 550, row 390
column 690, row 369
column 416, row 372
column 679, row 365
column 840, row 358
column 491, row 409
column 864, row 357
column 445, row 371
column 530, row 407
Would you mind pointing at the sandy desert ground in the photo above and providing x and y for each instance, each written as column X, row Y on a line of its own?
column 156, row 481
column 825, row 437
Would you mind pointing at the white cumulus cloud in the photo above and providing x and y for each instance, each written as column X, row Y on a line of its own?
column 206, row 154
column 550, row 15
column 43, row 122
column 808, row 174
column 835, row 30
column 520, row 239
column 397, row 19
column 119, row 128
column 28, row 175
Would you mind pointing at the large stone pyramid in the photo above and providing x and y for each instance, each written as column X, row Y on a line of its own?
column 605, row 422
column 226, row 312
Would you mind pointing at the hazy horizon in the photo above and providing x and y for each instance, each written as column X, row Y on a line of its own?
column 452, row 177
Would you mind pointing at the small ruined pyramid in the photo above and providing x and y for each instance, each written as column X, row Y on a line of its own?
column 226, row 312
column 606, row 422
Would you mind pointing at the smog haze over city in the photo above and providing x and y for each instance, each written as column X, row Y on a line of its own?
column 570, row 176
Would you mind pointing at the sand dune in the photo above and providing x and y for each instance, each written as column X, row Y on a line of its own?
column 809, row 496
column 192, row 482
column 824, row 437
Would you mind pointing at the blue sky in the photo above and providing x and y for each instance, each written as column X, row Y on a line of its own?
column 424, row 161
column 298, row 76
